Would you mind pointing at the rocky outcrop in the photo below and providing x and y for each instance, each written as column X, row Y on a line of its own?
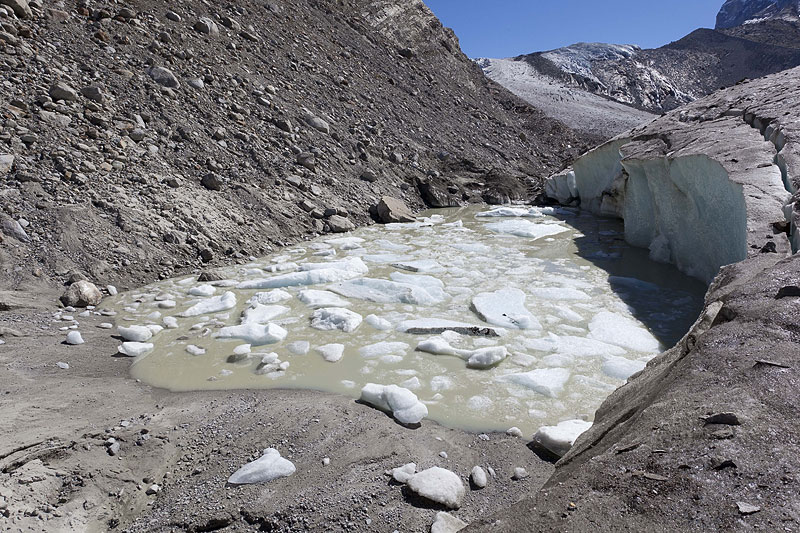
column 705, row 437
column 738, row 12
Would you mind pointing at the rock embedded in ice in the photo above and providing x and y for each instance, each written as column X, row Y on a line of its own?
column 261, row 314
column 74, row 338
column 524, row 228
column 622, row 331
column 422, row 265
column 402, row 403
column 559, row 438
column 134, row 349
column 505, row 308
column 438, row 485
column 135, row 333
column 268, row 467
column 621, row 367
column 298, row 347
column 546, row 381
column 402, row 474
column 331, row 352
column 255, row 334
column 331, row 318
column 436, row 326
column 381, row 324
column 447, row 523
column 316, row 299
column 478, row 477
column 214, row 304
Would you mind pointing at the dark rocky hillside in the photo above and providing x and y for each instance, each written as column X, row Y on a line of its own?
column 139, row 139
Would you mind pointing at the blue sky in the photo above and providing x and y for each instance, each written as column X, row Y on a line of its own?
column 506, row 28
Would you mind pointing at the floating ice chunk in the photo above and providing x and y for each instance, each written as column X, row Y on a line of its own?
column 330, row 318
column 621, row 368
column 195, row 350
column 331, row 352
column 435, row 326
column 346, row 243
column 352, row 264
column 440, row 383
column 506, row 211
column 201, row 290
column 438, row 485
column 505, row 308
column 385, row 291
column 479, row 403
column 383, row 348
column 421, row 265
column 315, row 299
column 393, row 246
column 381, row 324
column 298, row 347
column 268, row 467
column 261, row 314
column 155, row 329
column 434, row 286
column 294, row 279
column 212, row 305
column 575, row 346
column 524, row 228
column 546, row 381
column 255, row 334
column 384, row 258
column 560, row 438
column 402, row 403
column 559, row 293
column 135, row 333
column 474, row 248
column 487, row 357
column 568, row 314
column 74, row 338
column 272, row 297
column 134, row 349
column 282, row 267
column 411, row 383
column 622, row 331
column 440, row 346
column 170, row 322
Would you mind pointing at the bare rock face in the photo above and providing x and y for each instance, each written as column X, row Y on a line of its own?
column 394, row 210
column 81, row 294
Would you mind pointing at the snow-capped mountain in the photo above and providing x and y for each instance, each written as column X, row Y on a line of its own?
column 737, row 12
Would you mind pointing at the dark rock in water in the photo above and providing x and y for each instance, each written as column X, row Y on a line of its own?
column 473, row 331
column 435, row 194
column 391, row 209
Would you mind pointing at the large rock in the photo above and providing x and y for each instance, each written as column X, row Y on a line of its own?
column 393, row 210
column 339, row 224
column 207, row 26
column 164, row 76
column 20, row 8
column 438, row 485
column 81, row 294
column 12, row 228
column 62, row 91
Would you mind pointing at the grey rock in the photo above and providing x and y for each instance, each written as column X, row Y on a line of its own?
column 284, row 125
column 747, row 508
column 174, row 17
column 196, row 83
column 164, row 76
column 339, row 224
column 94, row 93
column 478, row 477
column 62, row 91
column 206, row 26
column 307, row 160
column 137, row 134
column 21, row 8
column 318, row 124
column 81, row 294
column 6, row 163
column 12, row 228
column 392, row 210
column 212, row 182
column 369, row 175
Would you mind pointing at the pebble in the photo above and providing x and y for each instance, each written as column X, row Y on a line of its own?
column 478, row 477
column 62, row 365
column 519, row 473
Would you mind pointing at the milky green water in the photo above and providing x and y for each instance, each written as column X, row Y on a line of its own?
column 604, row 309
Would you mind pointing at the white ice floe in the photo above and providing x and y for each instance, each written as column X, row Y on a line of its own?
column 195, row 350
column 298, row 347
column 384, row 348
column 560, row 438
column 412, row 383
column 354, row 265
column 261, row 314
column 294, row 279
column 214, row 304
column 625, row 332
column 573, row 346
column 385, row 291
column 331, row 352
column 268, row 467
column 505, row 308
column 548, row 382
column 170, row 322
column 421, row 265
column 486, row 357
column 255, row 334
column 508, row 211
column 621, row 367
column 330, row 318
column 378, row 323
column 438, row 485
column 201, row 290
column 478, row 476
column 135, row 333
column 403, row 404
column 271, row 297
column 402, row 474
column 525, row 228
column 134, row 349
column 558, row 293
column 316, row 299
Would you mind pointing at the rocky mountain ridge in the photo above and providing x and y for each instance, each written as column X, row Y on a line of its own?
column 740, row 12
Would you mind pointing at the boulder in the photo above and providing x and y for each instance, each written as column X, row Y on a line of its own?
column 20, row 8
column 207, row 26
column 163, row 76
column 340, row 224
column 62, row 91
column 81, row 294
column 391, row 209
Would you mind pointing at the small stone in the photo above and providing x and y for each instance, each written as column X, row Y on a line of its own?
column 318, row 124
column 174, row 17
column 326, row 461
column 137, row 134
column 519, row 473
column 94, row 93
column 747, row 509
column 307, row 160
column 369, row 175
column 478, row 477
column 514, row 432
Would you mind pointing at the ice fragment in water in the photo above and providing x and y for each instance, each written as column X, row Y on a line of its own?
column 331, row 318
column 331, row 352
column 546, row 381
column 212, row 305
column 255, row 334
column 402, row 403
column 506, row 308
column 560, row 438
